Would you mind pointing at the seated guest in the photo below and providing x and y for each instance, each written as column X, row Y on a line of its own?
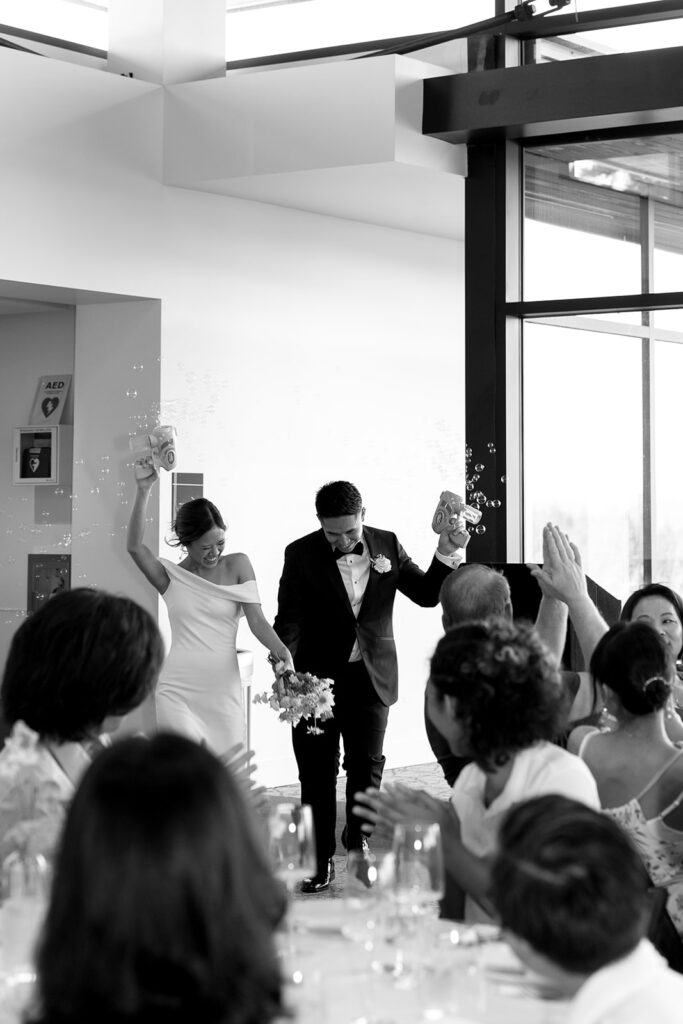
column 662, row 608
column 562, row 577
column 572, row 896
column 494, row 692
column 163, row 907
column 638, row 768
column 83, row 660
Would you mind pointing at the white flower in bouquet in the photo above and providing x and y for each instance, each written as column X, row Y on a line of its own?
column 298, row 695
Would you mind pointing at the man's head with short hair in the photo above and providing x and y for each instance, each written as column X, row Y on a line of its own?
column 569, row 888
column 473, row 593
column 338, row 498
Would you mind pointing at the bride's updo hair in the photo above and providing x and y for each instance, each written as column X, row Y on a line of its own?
column 633, row 662
column 193, row 519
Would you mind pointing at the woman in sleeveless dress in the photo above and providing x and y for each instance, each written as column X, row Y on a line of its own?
column 199, row 693
column 637, row 766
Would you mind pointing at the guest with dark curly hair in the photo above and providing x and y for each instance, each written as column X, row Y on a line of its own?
column 494, row 692
column 572, row 896
column 163, row 907
column 79, row 664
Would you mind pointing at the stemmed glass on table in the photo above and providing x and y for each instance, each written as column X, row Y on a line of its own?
column 418, row 885
column 292, row 850
column 369, row 923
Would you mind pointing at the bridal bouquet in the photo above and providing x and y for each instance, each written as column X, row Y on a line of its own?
column 298, row 695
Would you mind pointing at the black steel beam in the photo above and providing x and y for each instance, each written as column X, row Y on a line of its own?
column 596, row 304
column 615, row 91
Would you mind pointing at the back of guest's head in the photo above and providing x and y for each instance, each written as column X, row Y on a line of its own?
column 568, row 881
column 163, row 906
column 338, row 498
column 474, row 592
column 506, row 687
column 83, row 656
column 632, row 661
column 195, row 518
column 652, row 590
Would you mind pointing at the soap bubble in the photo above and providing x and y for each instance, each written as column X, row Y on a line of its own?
column 131, row 394
column 138, row 367
column 495, row 503
column 59, row 490
column 479, row 468
column 503, row 479
column 94, row 490
column 491, row 447
column 480, row 529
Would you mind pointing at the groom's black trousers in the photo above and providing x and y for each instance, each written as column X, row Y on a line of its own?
column 360, row 719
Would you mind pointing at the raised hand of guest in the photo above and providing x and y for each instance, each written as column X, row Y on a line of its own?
column 561, row 576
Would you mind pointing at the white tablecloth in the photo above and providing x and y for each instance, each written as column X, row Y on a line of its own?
column 331, row 980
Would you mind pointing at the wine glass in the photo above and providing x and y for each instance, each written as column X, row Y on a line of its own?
column 419, row 883
column 292, row 843
column 419, row 878
column 369, row 923
column 292, row 853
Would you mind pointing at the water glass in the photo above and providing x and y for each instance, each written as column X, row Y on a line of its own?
column 419, row 877
column 292, row 843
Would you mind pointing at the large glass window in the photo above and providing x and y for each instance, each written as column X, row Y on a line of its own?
column 583, row 447
column 603, row 229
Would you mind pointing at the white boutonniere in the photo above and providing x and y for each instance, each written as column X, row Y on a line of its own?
column 380, row 563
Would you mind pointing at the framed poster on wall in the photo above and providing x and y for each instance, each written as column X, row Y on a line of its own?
column 47, row 575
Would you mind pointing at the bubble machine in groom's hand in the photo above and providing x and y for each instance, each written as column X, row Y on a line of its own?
column 298, row 695
column 449, row 508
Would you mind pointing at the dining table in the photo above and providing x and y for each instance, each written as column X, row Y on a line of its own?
column 340, row 967
column 425, row 970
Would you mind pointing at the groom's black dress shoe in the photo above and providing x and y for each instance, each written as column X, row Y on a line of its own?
column 321, row 880
column 359, row 843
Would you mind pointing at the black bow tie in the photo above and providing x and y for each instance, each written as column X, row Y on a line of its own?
column 358, row 550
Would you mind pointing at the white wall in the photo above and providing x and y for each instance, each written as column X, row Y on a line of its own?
column 295, row 348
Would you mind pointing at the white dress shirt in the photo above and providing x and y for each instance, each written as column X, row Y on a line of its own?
column 355, row 571
column 640, row 988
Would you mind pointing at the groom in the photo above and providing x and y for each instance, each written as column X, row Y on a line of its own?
column 335, row 605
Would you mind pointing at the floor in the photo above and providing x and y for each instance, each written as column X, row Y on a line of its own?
column 422, row 776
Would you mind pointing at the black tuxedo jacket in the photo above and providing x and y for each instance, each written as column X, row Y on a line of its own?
column 314, row 615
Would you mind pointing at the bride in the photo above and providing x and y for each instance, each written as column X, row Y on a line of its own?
column 199, row 693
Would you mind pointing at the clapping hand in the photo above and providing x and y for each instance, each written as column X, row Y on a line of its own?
column 396, row 804
column 239, row 762
column 561, row 576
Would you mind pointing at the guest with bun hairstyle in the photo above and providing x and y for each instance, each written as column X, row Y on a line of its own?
column 572, row 896
column 636, row 764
